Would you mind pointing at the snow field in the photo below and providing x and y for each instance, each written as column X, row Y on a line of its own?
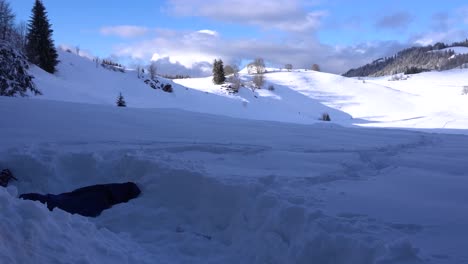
column 213, row 192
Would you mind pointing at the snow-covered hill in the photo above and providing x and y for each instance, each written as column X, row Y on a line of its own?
column 79, row 80
column 416, row 59
column 429, row 101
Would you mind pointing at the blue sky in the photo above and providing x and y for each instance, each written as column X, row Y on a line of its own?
column 185, row 36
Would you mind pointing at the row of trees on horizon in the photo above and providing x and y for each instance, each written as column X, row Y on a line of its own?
column 256, row 68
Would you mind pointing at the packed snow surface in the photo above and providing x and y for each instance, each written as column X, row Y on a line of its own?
column 222, row 190
column 236, row 186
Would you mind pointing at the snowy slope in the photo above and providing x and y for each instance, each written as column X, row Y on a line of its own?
column 428, row 100
column 79, row 80
column 438, row 99
column 224, row 190
column 424, row 101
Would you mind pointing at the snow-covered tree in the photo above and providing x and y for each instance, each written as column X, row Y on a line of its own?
column 257, row 66
column 40, row 47
column 235, row 80
column 14, row 77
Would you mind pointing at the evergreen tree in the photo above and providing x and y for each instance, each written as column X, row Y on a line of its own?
column 218, row 72
column 121, row 101
column 40, row 46
column 14, row 76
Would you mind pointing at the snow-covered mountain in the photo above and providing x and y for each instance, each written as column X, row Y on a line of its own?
column 239, row 178
column 417, row 59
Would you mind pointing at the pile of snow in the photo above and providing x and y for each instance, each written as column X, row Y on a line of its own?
column 32, row 234
column 224, row 190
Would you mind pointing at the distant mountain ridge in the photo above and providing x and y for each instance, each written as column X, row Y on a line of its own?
column 438, row 57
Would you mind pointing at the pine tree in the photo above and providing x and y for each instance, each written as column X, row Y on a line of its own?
column 121, row 101
column 40, row 46
column 218, row 72
column 14, row 76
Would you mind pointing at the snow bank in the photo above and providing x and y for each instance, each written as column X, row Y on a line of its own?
column 181, row 217
column 31, row 234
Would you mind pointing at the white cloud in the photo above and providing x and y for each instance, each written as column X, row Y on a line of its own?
column 124, row 31
column 286, row 15
column 448, row 36
column 208, row 32
column 192, row 51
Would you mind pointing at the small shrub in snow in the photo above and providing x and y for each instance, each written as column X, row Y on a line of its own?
column 325, row 117
column 14, row 78
column 230, row 88
column 167, row 88
column 157, row 84
column 271, row 87
column 152, row 83
column 121, row 101
column 398, row 77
